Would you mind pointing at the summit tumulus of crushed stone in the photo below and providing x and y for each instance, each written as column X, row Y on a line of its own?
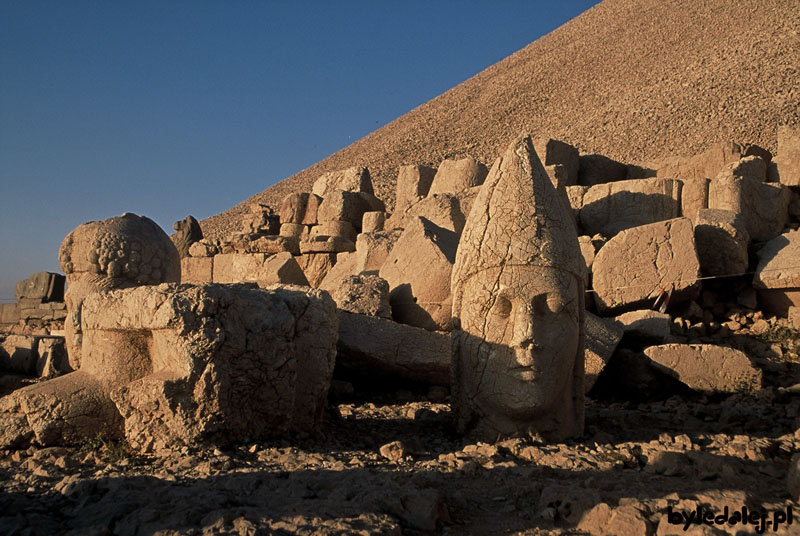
column 635, row 80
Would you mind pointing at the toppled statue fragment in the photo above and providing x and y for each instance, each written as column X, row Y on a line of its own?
column 187, row 233
column 518, row 291
column 121, row 252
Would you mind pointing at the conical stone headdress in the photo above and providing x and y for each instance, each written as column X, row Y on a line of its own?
column 518, row 218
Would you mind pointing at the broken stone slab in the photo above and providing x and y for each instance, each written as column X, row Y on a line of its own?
column 786, row 165
column 707, row 367
column 646, row 323
column 294, row 230
column 413, row 184
column 300, row 208
column 632, row 268
column 777, row 276
column 454, row 176
column 694, row 197
column 257, row 268
column 612, row 207
column 602, row 337
column 369, row 345
column 747, row 167
column 316, row 266
column 418, row 270
column 52, row 358
column 269, row 244
column 443, row 210
column 326, row 244
column 343, row 229
column 354, row 179
column 721, row 240
column 261, row 219
column 41, row 286
column 203, row 248
column 372, row 249
column 575, row 196
column 9, row 313
column 364, row 294
column 707, row 164
column 197, row 270
column 373, row 222
column 558, row 153
column 764, row 207
column 18, row 354
column 342, row 205
column 597, row 169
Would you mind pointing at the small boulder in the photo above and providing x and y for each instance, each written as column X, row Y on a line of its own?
column 354, row 179
column 721, row 240
column 777, row 277
column 764, row 207
column 646, row 324
column 372, row 249
column 454, row 176
column 363, row 294
column 413, row 184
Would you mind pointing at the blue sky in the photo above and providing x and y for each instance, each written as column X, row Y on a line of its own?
column 169, row 108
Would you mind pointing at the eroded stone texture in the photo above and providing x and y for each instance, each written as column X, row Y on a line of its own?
column 443, row 210
column 197, row 270
column 259, row 268
column 121, row 252
column 413, row 183
column 354, row 179
column 704, row 165
column 518, row 293
column 261, row 220
column 602, row 337
column 777, row 275
column 18, row 353
column 748, row 167
column 372, row 249
column 342, row 229
column 343, row 205
column 645, row 323
column 453, row 176
column 372, row 222
column 555, row 152
column 316, row 266
column 364, row 294
column 575, row 197
column 174, row 365
column 43, row 286
column 418, row 270
column 369, row 345
column 632, row 268
column 764, row 207
column 787, row 162
column 721, row 241
column 694, row 197
column 706, row 367
column 187, row 232
column 612, row 207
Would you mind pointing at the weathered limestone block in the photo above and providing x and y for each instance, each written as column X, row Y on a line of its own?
column 261, row 220
column 602, row 337
column 343, row 229
column 443, row 210
column 187, row 232
column 341, row 205
column 345, row 267
column 777, row 275
column 41, row 286
column 646, row 323
column 51, row 357
column 326, row 244
column 370, row 345
column 694, row 197
column 518, row 294
column 18, row 354
column 175, row 365
column 413, row 184
column 294, row 230
column 706, row 367
column 372, row 222
column 747, row 167
column 259, row 268
column 418, row 270
column 453, row 176
column 764, row 206
column 364, row 294
column 575, row 196
column 372, row 249
column 597, row 169
column 9, row 313
column 612, row 207
column 121, row 252
column 197, row 270
column 554, row 152
column 203, row 248
column 707, row 164
column 632, row 268
column 354, row 179
column 721, row 241
column 316, row 266
column 293, row 208
column 786, row 169
column 269, row 244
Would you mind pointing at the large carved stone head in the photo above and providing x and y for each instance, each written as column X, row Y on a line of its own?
column 517, row 288
column 121, row 252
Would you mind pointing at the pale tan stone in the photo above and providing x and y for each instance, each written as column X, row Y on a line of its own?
column 413, row 184
column 261, row 220
column 354, row 179
column 120, row 252
column 764, row 207
column 326, row 244
column 418, row 270
column 9, row 313
column 518, row 294
column 341, row 205
column 345, row 267
column 705, row 165
column 747, row 167
column 632, row 268
column 706, row 367
column 364, row 294
column 443, row 210
column 721, row 241
column 42, row 286
column 453, row 176
column 645, row 323
column 558, row 153
column 372, row 222
column 372, row 249
column 369, row 345
column 259, row 268
column 197, row 270
column 342, row 229
column 316, row 266
column 588, row 253
column 778, row 265
column 694, row 197
column 787, row 162
column 293, row 208
column 612, row 207
column 294, row 230
column 203, row 248
column 260, row 243
column 575, row 196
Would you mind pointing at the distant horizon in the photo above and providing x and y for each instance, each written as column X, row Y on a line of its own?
column 171, row 109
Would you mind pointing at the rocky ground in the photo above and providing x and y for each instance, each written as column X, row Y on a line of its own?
column 390, row 464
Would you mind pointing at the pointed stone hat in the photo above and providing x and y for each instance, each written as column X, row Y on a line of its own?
column 518, row 218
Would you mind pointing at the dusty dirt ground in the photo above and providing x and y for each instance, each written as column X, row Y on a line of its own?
column 639, row 458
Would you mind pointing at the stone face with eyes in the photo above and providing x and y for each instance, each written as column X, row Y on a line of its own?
column 518, row 294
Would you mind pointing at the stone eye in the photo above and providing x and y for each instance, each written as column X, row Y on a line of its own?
column 555, row 304
column 502, row 307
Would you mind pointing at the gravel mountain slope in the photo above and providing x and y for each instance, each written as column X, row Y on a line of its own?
column 636, row 80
